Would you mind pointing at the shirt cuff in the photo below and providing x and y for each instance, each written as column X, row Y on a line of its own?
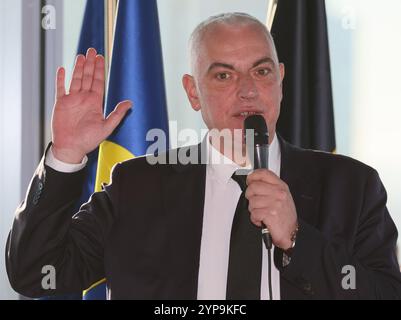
column 60, row 166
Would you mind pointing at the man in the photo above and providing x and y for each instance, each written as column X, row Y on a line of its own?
column 163, row 231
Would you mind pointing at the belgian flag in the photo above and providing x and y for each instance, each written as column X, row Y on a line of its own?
column 300, row 33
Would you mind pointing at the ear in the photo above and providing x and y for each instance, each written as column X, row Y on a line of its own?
column 190, row 87
column 282, row 72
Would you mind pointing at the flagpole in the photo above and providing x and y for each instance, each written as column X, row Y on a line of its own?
column 271, row 12
column 110, row 18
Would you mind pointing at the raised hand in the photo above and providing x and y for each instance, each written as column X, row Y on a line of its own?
column 78, row 124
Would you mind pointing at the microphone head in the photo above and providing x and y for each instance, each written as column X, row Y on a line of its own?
column 260, row 133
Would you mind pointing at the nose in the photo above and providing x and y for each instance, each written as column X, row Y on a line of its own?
column 247, row 89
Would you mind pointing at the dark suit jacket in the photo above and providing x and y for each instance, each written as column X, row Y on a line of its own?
column 143, row 232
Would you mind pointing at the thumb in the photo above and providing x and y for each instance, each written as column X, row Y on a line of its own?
column 114, row 118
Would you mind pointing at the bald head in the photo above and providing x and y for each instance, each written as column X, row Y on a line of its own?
column 207, row 27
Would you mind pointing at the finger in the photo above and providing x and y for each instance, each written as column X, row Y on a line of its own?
column 77, row 75
column 264, row 175
column 114, row 118
column 260, row 202
column 256, row 220
column 258, row 216
column 89, row 69
column 60, row 83
column 259, row 188
column 98, row 78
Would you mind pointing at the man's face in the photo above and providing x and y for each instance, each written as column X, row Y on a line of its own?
column 236, row 74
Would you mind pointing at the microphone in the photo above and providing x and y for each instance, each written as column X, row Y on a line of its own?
column 255, row 126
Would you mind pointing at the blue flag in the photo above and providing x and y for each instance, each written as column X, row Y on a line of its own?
column 92, row 32
column 136, row 74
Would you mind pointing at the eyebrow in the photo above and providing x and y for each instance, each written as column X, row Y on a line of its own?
column 220, row 65
column 231, row 67
column 262, row 61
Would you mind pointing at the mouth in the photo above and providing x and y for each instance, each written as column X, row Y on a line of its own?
column 246, row 114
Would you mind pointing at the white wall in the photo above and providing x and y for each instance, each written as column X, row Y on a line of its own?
column 10, row 126
column 73, row 16
column 366, row 50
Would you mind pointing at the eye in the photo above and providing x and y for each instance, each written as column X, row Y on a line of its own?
column 223, row 76
column 263, row 72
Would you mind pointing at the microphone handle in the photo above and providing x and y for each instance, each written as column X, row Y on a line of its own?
column 261, row 161
column 261, row 156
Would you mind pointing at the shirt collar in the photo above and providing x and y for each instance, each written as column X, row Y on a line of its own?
column 222, row 168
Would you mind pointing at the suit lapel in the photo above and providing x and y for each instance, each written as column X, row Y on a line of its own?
column 183, row 198
column 299, row 172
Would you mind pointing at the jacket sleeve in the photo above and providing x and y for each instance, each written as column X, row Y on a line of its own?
column 324, row 268
column 46, row 233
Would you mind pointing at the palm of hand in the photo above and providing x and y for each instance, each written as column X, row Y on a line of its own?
column 78, row 121
column 78, row 124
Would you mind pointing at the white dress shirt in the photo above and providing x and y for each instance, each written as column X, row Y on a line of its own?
column 221, row 197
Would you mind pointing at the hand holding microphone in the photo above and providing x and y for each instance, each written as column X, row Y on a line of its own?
column 270, row 202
